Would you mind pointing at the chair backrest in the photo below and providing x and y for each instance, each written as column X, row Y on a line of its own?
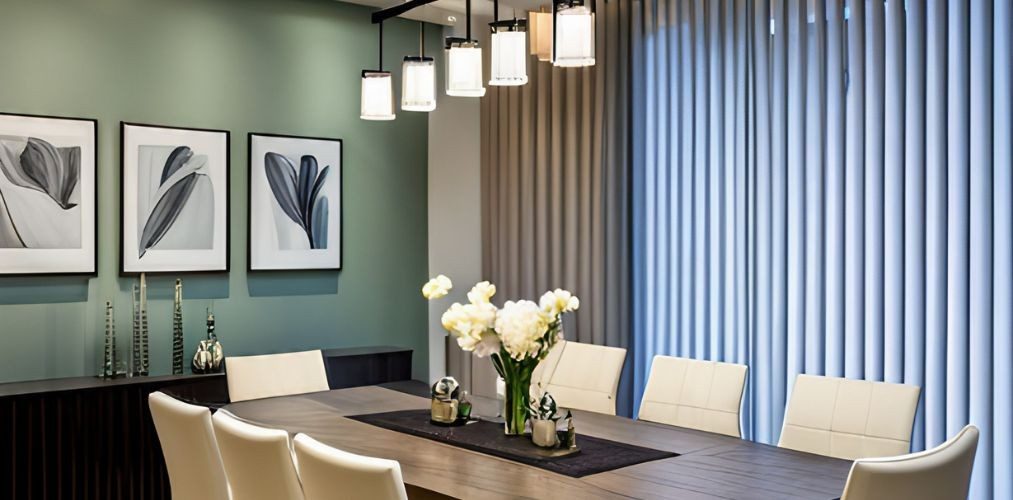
column 270, row 375
column 585, row 376
column 704, row 395
column 542, row 373
column 258, row 461
column 189, row 447
column 849, row 419
column 942, row 473
column 331, row 473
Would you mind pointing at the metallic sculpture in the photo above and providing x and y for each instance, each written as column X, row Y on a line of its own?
column 177, row 329
column 209, row 355
column 139, row 358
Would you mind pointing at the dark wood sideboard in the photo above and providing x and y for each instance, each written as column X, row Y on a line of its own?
column 87, row 438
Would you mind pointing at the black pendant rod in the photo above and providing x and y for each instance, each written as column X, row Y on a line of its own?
column 467, row 16
column 379, row 60
column 495, row 10
column 422, row 39
column 382, row 15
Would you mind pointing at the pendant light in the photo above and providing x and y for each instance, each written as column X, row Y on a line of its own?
column 418, row 79
column 573, row 33
column 540, row 33
column 377, row 91
column 509, row 50
column 464, row 63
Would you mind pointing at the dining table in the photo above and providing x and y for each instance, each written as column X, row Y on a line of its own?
column 707, row 465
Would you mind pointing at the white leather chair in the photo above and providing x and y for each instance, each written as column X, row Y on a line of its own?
column 271, row 375
column 704, row 395
column 329, row 473
column 581, row 376
column 849, row 419
column 258, row 461
column 190, row 449
column 942, row 473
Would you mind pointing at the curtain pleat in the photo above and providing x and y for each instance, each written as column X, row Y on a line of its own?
column 935, row 225
column 762, row 358
column 893, row 189
column 834, row 188
column 815, row 188
column 913, row 216
column 980, row 232
column 1002, row 348
column 957, row 205
column 825, row 187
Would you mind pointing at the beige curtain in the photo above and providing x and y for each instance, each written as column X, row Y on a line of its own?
column 555, row 184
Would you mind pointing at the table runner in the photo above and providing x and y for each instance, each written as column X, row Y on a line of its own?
column 596, row 454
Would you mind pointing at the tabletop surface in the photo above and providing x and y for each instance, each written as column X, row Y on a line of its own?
column 709, row 465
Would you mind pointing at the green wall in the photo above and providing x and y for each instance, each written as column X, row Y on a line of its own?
column 279, row 66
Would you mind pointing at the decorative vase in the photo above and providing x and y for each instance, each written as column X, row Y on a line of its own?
column 209, row 355
column 517, row 380
column 543, row 433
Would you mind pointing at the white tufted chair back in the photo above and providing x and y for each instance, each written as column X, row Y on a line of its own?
column 271, row 375
column 258, row 461
column 849, row 419
column 190, row 449
column 331, row 473
column 581, row 376
column 704, row 395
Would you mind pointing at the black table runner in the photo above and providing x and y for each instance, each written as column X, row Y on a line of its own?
column 596, row 454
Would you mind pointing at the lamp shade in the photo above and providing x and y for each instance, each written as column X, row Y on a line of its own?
column 509, row 56
column 464, row 68
column 377, row 96
column 540, row 34
column 574, row 37
column 418, row 84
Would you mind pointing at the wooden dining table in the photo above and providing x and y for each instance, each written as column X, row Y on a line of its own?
column 707, row 466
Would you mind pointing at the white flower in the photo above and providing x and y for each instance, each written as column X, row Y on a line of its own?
column 558, row 301
column 521, row 326
column 481, row 293
column 472, row 324
column 437, row 287
column 489, row 344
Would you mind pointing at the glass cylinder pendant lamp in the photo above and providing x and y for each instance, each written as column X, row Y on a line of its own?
column 464, row 63
column 377, row 101
column 418, row 79
column 464, row 68
column 509, row 50
column 573, row 33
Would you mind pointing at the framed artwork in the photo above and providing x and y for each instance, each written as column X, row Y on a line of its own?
column 48, row 222
column 175, row 199
column 295, row 203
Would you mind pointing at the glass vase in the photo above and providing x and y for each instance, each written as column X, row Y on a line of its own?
column 515, row 407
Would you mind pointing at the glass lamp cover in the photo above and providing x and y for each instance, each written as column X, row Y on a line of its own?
column 540, row 33
column 418, row 84
column 464, row 71
column 574, row 37
column 509, row 58
column 377, row 96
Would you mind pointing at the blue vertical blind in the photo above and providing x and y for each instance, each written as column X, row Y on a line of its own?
column 825, row 187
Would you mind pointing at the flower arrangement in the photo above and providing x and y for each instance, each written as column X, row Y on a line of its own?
column 516, row 337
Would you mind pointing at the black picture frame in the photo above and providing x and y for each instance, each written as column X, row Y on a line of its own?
column 228, row 200
column 94, row 244
column 249, row 203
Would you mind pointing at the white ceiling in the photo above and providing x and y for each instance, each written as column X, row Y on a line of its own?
column 449, row 12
